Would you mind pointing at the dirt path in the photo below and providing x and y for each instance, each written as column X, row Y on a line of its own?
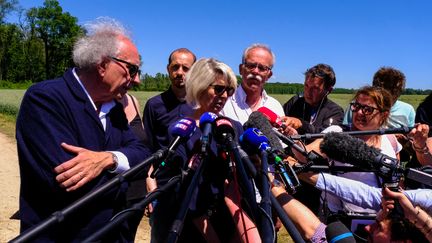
column 9, row 184
column 9, row 193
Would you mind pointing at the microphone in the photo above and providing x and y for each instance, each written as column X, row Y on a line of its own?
column 223, row 130
column 272, row 117
column 181, row 130
column 206, row 122
column 258, row 120
column 224, row 133
column 337, row 232
column 249, row 165
column 257, row 139
column 355, row 151
column 348, row 149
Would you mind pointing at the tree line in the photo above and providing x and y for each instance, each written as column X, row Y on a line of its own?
column 39, row 47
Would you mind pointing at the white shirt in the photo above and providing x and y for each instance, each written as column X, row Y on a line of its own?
column 123, row 162
column 237, row 109
column 369, row 178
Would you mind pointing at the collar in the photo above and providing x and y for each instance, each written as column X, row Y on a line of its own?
column 105, row 107
column 240, row 95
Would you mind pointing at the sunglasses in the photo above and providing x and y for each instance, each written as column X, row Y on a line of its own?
column 132, row 68
column 220, row 89
column 261, row 68
column 367, row 110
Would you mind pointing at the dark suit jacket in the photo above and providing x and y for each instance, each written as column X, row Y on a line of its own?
column 57, row 111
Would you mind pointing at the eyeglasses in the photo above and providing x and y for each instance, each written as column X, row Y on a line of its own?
column 367, row 110
column 132, row 68
column 220, row 89
column 261, row 68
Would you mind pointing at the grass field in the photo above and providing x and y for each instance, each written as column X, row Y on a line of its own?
column 10, row 101
column 12, row 98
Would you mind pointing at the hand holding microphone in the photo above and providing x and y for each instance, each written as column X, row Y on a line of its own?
column 287, row 125
column 418, row 136
column 293, row 122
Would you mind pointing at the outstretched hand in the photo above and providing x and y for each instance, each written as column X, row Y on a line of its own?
column 419, row 134
column 291, row 122
column 388, row 203
column 84, row 167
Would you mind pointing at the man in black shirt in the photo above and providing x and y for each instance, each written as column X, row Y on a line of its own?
column 159, row 112
column 163, row 109
column 312, row 112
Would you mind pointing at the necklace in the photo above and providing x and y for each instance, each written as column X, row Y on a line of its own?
column 314, row 115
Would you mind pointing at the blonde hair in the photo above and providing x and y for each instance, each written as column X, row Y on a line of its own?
column 202, row 74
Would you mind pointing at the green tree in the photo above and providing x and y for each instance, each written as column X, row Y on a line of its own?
column 58, row 31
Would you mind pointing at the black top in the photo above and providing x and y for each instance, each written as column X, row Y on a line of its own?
column 159, row 112
column 424, row 113
column 136, row 125
column 314, row 120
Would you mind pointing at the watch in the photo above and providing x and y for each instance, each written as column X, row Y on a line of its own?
column 115, row 160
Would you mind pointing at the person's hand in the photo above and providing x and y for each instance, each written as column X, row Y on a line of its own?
column 290, row 131
column 151, row 186
column 84, row 167
column 418, row 135
column 291, row 122
column 388, row 203
column 148, row 210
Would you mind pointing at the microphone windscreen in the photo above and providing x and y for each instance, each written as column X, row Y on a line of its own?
column 258, row 120
column 255, row 138
column 348, row 149
column 183, row 128
column 337, row 232
column 207, row 117
column 271, row 116
column 223, row 126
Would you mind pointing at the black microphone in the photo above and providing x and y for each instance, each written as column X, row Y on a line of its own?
column 337, row 232
column 258, row 120
column 354, row 151
column 223, row 130
column 206, row 125
column 249, row 165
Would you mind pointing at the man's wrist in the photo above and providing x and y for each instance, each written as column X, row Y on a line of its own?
column 115, row 162
column 420, row 149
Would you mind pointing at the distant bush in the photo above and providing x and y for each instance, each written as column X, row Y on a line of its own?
column 9, row 109
column 5, row 84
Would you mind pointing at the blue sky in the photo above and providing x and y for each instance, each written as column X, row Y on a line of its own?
column 354, row 37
